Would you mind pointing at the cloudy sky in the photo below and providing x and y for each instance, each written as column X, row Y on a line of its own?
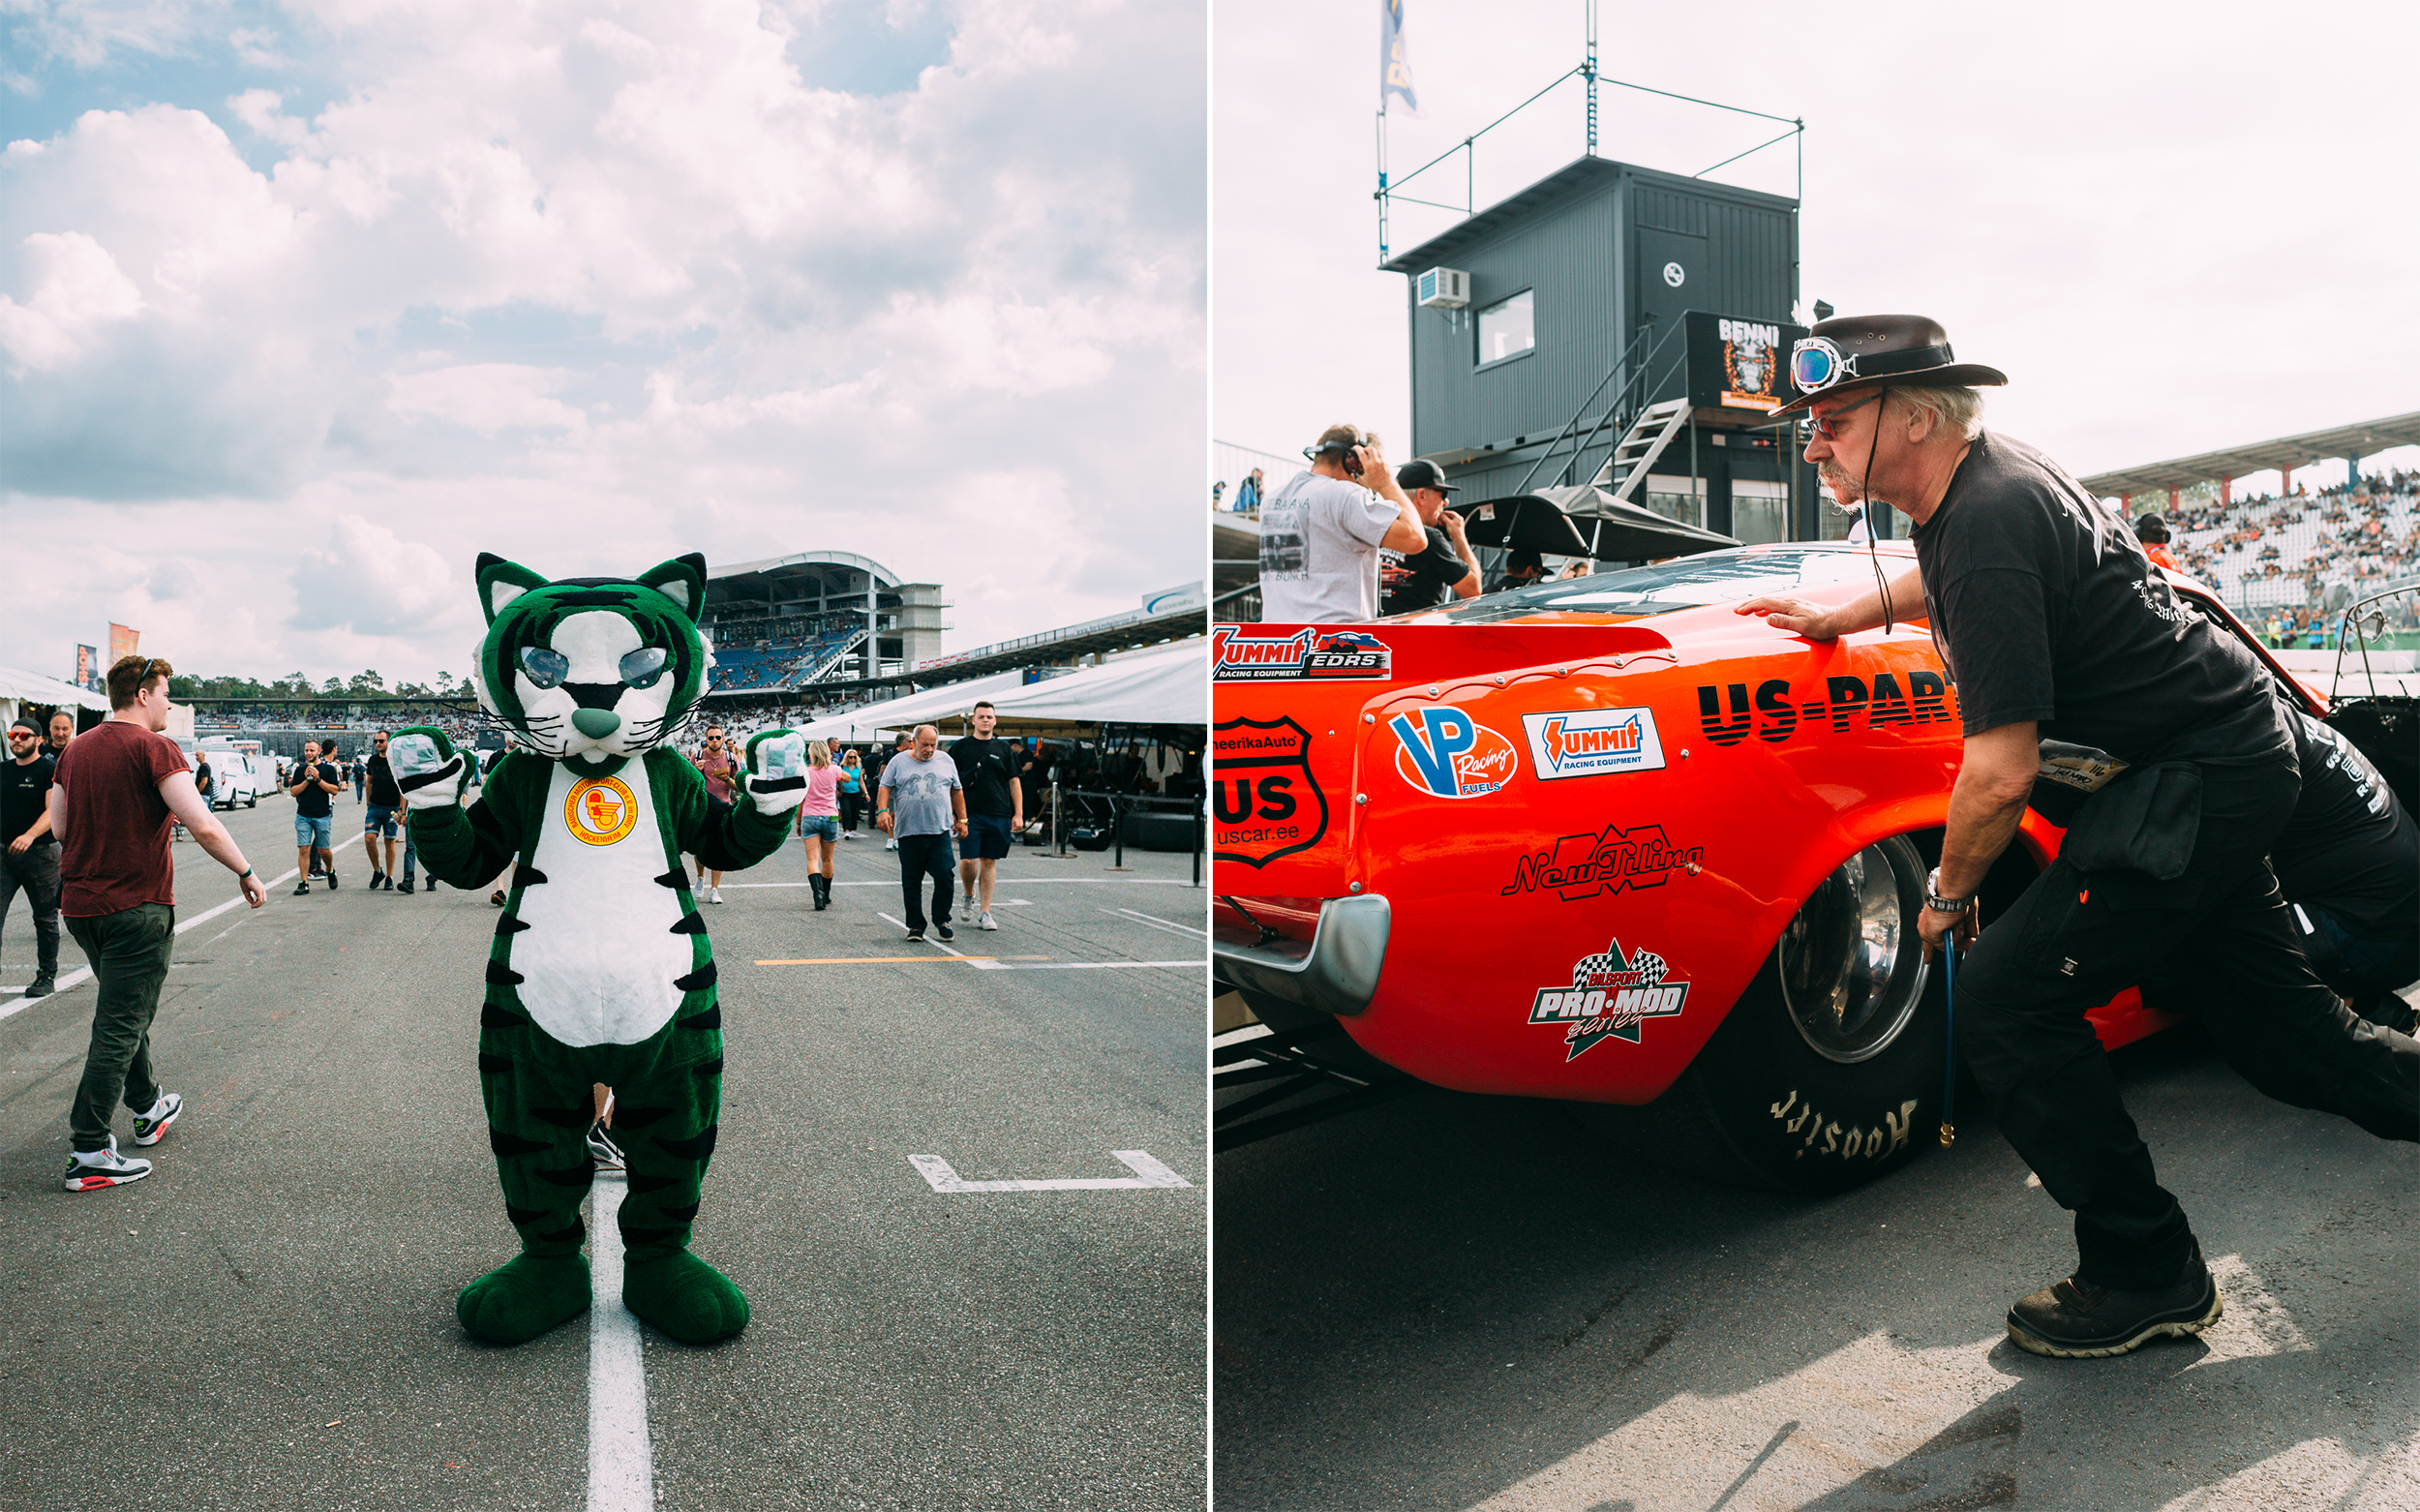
column 304, row 305
column 2176, row 227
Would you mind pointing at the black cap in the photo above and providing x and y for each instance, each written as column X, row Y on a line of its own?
column 1421, row 472
column 2150, row 528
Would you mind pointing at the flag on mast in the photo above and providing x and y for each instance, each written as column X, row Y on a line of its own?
column 1394, row 64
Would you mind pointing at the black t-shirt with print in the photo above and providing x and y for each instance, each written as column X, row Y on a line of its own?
column 313, row 802
column 24, row 792
column 2045, row 608
column 2350, row 847
column 1408, row 584
column 984, row 768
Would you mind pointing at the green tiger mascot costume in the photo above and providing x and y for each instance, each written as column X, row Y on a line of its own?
column 601, row 970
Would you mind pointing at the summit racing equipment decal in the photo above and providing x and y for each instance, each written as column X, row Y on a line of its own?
column 1581, row 867
column 1446, row 753
column 1607, row 997
column 1925, row 700
column 1309, row 655
column 1264, row 802
column 1592, row 742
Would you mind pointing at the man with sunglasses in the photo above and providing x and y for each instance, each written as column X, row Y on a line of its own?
column 714, row 763
column 2090, row 691
column 385, row 809
column 30, row 862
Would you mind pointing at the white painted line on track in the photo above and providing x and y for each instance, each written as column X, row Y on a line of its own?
column 1155, row 921
column 981, row 966
column 1198, row 962
column 622, row 1471
column 83, row 973
column 1148, row 1173
column 1023, row 882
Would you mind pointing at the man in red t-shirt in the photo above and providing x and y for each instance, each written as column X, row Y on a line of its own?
column 714, row 763
column 110, row 802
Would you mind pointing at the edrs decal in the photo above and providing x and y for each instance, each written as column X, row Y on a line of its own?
column 1580, row 867
column 1607, row 996
column 1264, row 802
column 1925, row 700
column 1448, row 753
column 1592, row 742
column 1309, row 655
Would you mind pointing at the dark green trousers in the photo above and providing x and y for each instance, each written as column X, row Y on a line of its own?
column 667, row 1097
column 129, row 953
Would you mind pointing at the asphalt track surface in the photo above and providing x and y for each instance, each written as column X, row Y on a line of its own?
column 1460, row 1302
column 267, row 1321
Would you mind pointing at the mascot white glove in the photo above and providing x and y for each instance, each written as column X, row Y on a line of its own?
column 776, row 771
column 428, row 770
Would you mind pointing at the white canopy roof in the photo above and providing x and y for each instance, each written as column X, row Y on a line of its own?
column 1165, row 686
column 33, row 687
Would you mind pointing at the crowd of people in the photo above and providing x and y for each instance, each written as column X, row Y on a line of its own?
column 2284, row 551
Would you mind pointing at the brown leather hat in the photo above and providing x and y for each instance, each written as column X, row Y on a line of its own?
column 1855, row 351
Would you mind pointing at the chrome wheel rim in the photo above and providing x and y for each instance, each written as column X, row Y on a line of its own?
column 1852, row 964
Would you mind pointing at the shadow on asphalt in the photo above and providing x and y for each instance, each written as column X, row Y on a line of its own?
column 1437, row 1301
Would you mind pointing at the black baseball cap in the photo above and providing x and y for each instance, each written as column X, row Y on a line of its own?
column 1421, row 472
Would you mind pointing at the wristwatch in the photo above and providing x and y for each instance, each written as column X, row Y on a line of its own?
column 1939, row 905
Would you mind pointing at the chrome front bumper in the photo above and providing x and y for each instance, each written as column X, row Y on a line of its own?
column 1336, row 973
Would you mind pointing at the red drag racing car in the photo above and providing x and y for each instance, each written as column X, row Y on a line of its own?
column 1607, row 840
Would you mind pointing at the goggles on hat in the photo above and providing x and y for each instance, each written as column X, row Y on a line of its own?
column 1816, row 364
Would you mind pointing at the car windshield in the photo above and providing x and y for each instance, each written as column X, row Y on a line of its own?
column 1714, row 578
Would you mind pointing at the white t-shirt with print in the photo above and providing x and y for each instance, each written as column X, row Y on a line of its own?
column 1319, row 551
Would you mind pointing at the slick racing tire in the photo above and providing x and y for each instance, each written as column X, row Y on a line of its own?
column 1827, row 1073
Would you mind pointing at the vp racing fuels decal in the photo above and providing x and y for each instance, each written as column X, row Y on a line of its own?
column 1607, row 996
column 1725, row 715
column 1264, row 802
column 1592, row 742
column 1445, row 752
column 1581, row 867
column 1311, row 654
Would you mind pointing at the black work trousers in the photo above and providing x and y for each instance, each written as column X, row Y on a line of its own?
column 35, row 872
column 924, row 856
column 2073, row 941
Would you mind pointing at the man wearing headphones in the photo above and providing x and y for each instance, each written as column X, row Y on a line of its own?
column 1320, row 533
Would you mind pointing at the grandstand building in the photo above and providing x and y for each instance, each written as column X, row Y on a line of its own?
column 2298, row 548
column 817, row 617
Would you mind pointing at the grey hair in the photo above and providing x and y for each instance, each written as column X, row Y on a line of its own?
column 1958, row 410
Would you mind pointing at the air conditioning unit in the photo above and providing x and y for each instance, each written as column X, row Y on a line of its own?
column 1444, row 288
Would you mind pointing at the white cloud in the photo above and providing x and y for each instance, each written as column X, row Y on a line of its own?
column 486, row 396
column 372, row 582
column 594, row 284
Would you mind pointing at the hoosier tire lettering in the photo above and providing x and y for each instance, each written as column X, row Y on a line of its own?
column 1856, row 1143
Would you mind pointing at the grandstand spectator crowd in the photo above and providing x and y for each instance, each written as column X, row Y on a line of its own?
column 2283, row 552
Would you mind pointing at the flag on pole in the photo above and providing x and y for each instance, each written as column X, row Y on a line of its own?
column 1394, row 64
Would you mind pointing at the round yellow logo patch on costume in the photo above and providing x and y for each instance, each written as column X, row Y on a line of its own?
column 600, row 810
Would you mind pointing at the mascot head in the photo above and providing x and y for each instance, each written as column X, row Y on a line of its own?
column 591, row 669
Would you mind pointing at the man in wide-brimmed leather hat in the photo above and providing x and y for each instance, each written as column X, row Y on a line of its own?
column 2089, row 691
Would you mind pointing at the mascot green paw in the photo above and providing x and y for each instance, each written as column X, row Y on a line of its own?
column 683, row 1296
column 526, row 1297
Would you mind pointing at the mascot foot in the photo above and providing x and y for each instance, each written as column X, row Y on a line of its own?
column 523, row 1297
column 683, row 1296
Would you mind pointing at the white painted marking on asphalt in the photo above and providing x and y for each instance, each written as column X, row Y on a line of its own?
column 622, row 1474
column 1148, row 1173
column 1155, row 921
column 1023, row 882
column 937, row 945
column 83, row 973
column 1197, row 962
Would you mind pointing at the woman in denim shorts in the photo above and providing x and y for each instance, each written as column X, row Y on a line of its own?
column 819, row 821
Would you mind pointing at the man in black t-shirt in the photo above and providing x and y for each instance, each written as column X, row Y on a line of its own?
column 1407, row 583
column 2090, row 691
column 312, row 782
column 29, row 855
column 995, row 809
column 387, row 803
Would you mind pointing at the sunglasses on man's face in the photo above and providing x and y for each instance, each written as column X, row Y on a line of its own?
column 1824, row 426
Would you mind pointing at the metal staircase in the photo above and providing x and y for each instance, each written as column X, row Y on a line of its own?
column 824, row 663
column 1625, row 470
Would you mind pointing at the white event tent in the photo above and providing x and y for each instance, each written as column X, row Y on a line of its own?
column 19, row 687
column 1168, row 685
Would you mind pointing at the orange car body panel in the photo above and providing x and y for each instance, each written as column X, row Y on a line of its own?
column 1529, row 794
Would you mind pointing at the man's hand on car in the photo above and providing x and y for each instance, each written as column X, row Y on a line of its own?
column 1794, row 615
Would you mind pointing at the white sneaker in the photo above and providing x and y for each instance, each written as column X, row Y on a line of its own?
column 90, row 1170
column 984, row 921
column 713, row 895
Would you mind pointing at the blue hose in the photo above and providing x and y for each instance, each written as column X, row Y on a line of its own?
column 1949, row 1052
